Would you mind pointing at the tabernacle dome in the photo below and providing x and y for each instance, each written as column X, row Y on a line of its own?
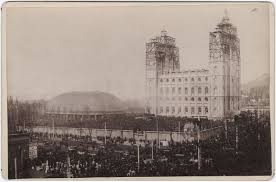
column 86, row 103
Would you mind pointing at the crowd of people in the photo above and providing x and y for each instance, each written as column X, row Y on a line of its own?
column 242, row 149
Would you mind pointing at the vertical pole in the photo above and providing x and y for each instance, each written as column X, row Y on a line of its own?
column 152, row 150
column 198, row 148
column 158, row 137
column 179, row 131
column 15, row 168
column 226, row 130
column 237, row 139
column 104, row 132
column 53, row 127
column 138, row 157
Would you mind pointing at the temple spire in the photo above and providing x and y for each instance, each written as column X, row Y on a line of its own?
column 225, row 19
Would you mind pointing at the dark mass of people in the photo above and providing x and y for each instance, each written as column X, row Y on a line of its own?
column 243, row 148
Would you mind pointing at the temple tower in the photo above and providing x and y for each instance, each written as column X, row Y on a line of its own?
column 162, row 56
column 224, row 66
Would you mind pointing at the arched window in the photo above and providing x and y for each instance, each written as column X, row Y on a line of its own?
column 206, row 78
column 199, row 79
column 199, row 90
column 179, row 90
column 186, row 90
column 186, row 109
column 199, row 99
column 161, row 80
column 186, row 79
column 206, row 99
column 206, row 110
column 192, row 110
column 199, row 110
column 179, row 109
column 167, row 80
column 192, row 90
column 173, row 80
column 186, row 99
column 192, row 99
column 206, row 90
column 192, row 79
column 179, row 79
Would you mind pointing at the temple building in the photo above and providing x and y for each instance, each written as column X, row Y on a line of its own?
column 212, row 92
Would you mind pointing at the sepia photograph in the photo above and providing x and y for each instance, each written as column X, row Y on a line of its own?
column 130, row 90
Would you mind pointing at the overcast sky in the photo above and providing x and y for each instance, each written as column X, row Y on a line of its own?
column 56, row 50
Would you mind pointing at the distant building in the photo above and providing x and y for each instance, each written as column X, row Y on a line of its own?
column 212, row 92
column 83, row 106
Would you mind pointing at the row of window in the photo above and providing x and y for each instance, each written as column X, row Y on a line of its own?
column 179, row 90
column 186, row 79
column 186, row 99
column 192, row 110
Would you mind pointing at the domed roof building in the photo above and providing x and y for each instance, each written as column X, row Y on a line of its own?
column 85, row 103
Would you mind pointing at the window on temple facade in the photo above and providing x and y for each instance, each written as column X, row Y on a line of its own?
column 179, row 79
column 199, row 110
column 167, row 80
column 186, row 109
column 167, row 109
column 186, row 99
column 206, row 90
column 186, row 90
column 173, row 109
column 192, row 90
column 206, row 99
column 173, row 90
column 192, row 99
column 161, row 80
column 206, row 78
column 173, row 80
column 199, row 99
column 192, row 79
column 192, row 110
column 179, row 90
column 186, row 79
column 199, row 90
column 206, row 110
column 199, row 79
column 179, row 109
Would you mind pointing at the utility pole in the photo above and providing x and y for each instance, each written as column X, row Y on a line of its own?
column 53, row 127
column 179, row 131
column 152, row 150
column 158, row 138
column 104, row 132
column 15, row 168
column 226, row 129
column 138, row 157
column 198, row 146
column 237, row 138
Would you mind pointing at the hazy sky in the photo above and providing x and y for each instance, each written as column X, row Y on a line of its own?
column 56, row 50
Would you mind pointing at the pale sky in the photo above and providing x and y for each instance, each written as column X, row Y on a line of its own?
column 56, row 50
